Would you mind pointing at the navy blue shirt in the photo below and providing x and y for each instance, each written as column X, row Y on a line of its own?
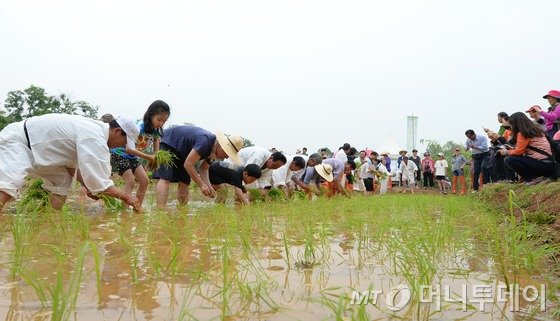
column 184, row 138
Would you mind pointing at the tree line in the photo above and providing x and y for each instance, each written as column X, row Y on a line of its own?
column 34, row 101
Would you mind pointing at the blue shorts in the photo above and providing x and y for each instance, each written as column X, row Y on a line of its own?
column 174, row 173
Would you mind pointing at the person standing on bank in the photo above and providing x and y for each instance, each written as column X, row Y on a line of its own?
column 417, row 160
column 54, row 146
column 552, row 117
column 458, row 163
column 428, row 170
column 481, row 156
column 190, row 144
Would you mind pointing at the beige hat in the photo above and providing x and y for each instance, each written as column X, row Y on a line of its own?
column 130, row 129
column 231, row 145
column 325, row 170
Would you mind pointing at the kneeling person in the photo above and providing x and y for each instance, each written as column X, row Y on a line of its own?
column 228, row 173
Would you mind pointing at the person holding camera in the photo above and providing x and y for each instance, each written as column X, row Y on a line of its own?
column 531, row 158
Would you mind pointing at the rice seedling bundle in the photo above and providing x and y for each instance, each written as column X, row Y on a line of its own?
column 299, row 195
column 255, row 195
column 164, row 158
column 112, row 204
column 35, row 195
column 276, row 194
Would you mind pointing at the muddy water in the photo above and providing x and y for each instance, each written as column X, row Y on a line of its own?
column 262, row 281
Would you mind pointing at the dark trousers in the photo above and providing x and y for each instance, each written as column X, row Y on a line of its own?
column 428, row 179
column 501, row 171
column 481, row 165
column 530, row 168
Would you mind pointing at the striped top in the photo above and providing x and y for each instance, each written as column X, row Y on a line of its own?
column 538, row 142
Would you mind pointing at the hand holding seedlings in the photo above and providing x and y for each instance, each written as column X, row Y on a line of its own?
column 163, row 158
column 132, row 201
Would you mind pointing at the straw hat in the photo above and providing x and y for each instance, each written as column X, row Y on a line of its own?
column 325, row 170
column 231, row 145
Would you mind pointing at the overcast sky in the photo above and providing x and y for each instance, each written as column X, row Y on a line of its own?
column 290, row 74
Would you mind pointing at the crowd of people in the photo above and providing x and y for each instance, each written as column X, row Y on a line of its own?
column 60, row 148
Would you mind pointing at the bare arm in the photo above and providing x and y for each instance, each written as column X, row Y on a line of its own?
column 204, row 173
column 191, row 160
column 138, row 153
column 242, row 196
column 112, row 191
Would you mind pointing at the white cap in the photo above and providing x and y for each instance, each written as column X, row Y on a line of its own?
column 132, row 132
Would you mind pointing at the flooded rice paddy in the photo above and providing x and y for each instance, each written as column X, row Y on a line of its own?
column 361, row 258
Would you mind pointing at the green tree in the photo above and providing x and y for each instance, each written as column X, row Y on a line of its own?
column 247, row 142
column 3, row 119
column 34, row 101
column 434, row 148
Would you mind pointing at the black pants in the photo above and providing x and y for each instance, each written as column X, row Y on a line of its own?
column 530, row 168
column 481, row 165
column 428, row 179
column 501, row 171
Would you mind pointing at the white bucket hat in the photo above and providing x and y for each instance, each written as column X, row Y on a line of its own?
column 231, row 145
column 132, row 132
column 325, row 170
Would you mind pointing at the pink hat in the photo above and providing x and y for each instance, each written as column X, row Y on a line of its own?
column 552, row 93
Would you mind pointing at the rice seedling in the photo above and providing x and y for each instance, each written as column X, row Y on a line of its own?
column 256, row 196
column 229, row 261
column 35, row 197
column 61, row 294
column 275, row 194
column 132, row 250
column 518, row 246
column 299, row 196
column 22, row 227
column 164, row 158
column 112, row 204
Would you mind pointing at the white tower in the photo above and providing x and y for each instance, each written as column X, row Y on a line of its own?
column 411, row 129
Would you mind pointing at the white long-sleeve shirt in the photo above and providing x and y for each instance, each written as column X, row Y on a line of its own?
column 74, row 142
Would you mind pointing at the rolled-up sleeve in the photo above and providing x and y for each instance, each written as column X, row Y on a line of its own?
column 338, row 170
column 309, row 173
column 94, row 164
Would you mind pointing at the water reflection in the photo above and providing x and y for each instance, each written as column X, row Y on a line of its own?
column 166, row 266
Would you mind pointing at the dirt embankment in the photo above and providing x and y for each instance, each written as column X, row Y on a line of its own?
column 538, row 204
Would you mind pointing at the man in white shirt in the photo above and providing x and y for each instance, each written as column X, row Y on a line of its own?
column 407, row 171
column 266, row 160
column 343, row 152
column 361, row 172
column 54, row 146
column 282, row 177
